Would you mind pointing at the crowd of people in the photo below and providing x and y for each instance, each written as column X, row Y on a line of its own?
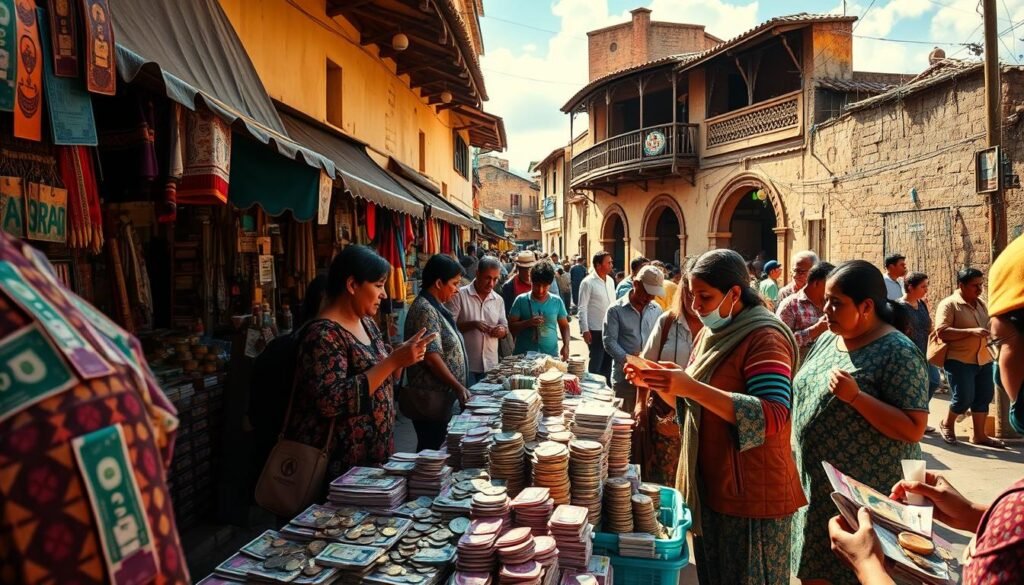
column 757, row 384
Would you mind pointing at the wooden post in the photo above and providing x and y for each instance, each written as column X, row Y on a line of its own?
column 675, row 125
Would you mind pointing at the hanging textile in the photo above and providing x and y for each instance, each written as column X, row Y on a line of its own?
column 28, row 111
column 127, row 144
column 136, row 277
column 207, row 162
column 302, row 256
column 410, row 235
column 85, row 219
column 167, row 205
column 119, row 292
column 63, row 38
column 371, row 220
column 100, row 60
column 67, row 102
column 8, row 52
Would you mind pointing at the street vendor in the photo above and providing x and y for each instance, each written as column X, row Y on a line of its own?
column 538, row 316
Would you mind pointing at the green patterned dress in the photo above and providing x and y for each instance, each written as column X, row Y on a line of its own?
column 891, row 369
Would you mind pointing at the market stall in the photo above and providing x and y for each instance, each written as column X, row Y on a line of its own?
column 533, row 485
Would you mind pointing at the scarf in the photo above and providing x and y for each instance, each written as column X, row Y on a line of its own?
column 710, row 351
column 207, row 165
column 85, row 220
column 441, row 310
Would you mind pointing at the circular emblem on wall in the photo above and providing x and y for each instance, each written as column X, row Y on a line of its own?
column 654, row 143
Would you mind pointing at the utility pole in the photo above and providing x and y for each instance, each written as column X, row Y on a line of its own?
column 996, row 210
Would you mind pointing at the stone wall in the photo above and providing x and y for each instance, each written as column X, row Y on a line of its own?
column 497, row 185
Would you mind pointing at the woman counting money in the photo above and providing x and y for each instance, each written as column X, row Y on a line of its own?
column 736, row 470
column 346, row 372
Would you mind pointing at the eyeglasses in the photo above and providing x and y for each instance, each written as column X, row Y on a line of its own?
column 800, row 271
column 994, row 345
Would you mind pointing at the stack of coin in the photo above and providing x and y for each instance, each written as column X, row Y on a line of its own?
column 476, row 446
column 551, row 470
column 532, row 509
column 516, row 546
column 429, row 540
column 572, row 532
column 545, row 551
column 458, row 498
column 379, row 531
column 521, row 382
column 528, row 573
column 492, row 502
column 645, row 519
column 621, row 444
column 431, row 475
column 585, row 460
column 466, row 578
column 551, row 389
column 519, row 411
column 618, row 508
column 476, row 552
column 577, row 365
column 548, row 425
column 592, row 420
column 652, row 491
column 508, row 460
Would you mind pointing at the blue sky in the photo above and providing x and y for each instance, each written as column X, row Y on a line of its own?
column 536, row 50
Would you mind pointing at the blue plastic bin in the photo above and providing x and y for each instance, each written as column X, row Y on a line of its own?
column 674, row 515
column 634, row 571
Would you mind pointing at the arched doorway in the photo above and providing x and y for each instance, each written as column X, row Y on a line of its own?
column 615, row 235
column 664, row 230
column 749, row 217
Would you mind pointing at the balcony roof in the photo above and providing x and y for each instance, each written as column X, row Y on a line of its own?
column 589, row 88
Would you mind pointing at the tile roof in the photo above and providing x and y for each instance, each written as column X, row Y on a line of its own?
column 934, row 75
column 620, row 73
column 853, row 85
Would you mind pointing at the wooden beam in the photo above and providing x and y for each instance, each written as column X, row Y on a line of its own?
column 343, row 6
column 792, row 55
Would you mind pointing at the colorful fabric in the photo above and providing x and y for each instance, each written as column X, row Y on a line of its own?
column 100, row 58
column 64, row 37
column 424, row 315
column 543, row 339
column 9, row 52
column 787, row 291
column 332, row 383
column 743, row 551
column 1006, row 279
column 997, row 551
column 207, row 169
column 800, row 315
column 890, row 369
column 67, row 102
column 48, row 531
column 127, row 123
column 28, row 107
column 85, row 219
column 769, row 289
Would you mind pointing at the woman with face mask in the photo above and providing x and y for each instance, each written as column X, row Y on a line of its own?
column 863, row 407
column 736, row 469
column 996, row 553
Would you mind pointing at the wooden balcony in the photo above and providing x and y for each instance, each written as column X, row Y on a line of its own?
column 648, row 152
column 769, row 121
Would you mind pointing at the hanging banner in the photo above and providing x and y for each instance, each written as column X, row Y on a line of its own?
column 64, row 38
column 100, row 61
column 68, row 103
column 8, row 54
column 47, row 213
column 12, row 206
column 323, row 210
column 28, row 107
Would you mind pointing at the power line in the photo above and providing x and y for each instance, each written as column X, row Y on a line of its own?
column 532, row 27
column 863, row 14
column 552, row 81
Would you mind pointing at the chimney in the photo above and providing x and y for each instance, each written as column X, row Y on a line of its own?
column 935, row 56
column 641, row 30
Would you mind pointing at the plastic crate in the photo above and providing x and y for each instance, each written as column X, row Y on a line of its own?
column 674, row 515
column 634, row 571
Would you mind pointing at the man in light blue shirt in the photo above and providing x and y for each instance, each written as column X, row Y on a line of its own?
column 627, row 325
column 627, row 283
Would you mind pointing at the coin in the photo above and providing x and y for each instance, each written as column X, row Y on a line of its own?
column 292, row 565
column 278, row 542
column 366, row 539
column 458, row 525
column 393, row 570
column 354, row 533
column 422, row 514
column 414, row 578
column 316, row 547
column 422, row 526
column 274, row 563
column 312, row 570
column 389, row 531
column 332, row 531
column 368, row 528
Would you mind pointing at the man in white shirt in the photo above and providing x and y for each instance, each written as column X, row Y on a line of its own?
column 895, row 270
column 597, row 293
column 480, row 314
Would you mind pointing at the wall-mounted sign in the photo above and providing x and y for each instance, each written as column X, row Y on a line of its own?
column 986, row 169
column 655, row 143
column 549, row 207
column 46, row 213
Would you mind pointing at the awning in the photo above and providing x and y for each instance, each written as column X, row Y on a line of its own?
column 357, row 171
column 493, row 224
column 190, row 49
column 421, row 188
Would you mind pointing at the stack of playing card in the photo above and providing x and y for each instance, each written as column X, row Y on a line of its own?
column 476, row 446
column 400, row 464
column 551, row 470
column 618, row 507
column 369, row 489
column 645, row 519
column 519, row 412
column 492, row 502
column 476, row 552
column 621, row 444
column 516, row 546
column 585, row 464
column 571, row 531
column 637, row 544
column 431, row 475
column 521, row 382
column 652, row 491
column 551, row 390
column 532, row 509
column 577, row 365
column 508, row 461
column 353, row 560
column 592, row 420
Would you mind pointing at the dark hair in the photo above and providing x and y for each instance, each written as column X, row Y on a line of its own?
column 894, row 259
column 440, row 267
column 600, row 256
column 357, row 262
column 311, row 302
column 637, row 263
column 861, row 280
column 819, row 271
column 466, row 262
column 723, row 269
column 674, row 271
column 914, row 279
column 620, row 275
column 542, row 273
column 968, row 274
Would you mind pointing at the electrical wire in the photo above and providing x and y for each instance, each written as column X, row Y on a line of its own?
column 863, row 14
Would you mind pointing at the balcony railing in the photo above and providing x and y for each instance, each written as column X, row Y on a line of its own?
column 768, row 121
column 648, row 147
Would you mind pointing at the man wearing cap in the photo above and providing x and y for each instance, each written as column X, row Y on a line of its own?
column 521, row 282
column 769, row 285
column 627, row 325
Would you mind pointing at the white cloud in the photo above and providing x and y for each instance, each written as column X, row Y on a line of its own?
column 879, row 21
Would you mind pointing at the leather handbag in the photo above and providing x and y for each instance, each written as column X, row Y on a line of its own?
column 293, row 475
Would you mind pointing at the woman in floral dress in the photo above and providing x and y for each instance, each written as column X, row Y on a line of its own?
column 346, row 371
column 861, row 403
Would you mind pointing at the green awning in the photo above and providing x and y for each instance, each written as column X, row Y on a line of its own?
column 277, row 184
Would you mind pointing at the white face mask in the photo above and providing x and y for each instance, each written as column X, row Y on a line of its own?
column 714, row 319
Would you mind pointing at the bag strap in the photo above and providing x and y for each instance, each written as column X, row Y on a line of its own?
column 291, row 398
column 666, row 327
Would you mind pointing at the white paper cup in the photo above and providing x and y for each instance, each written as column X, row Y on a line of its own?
column 914, row 470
